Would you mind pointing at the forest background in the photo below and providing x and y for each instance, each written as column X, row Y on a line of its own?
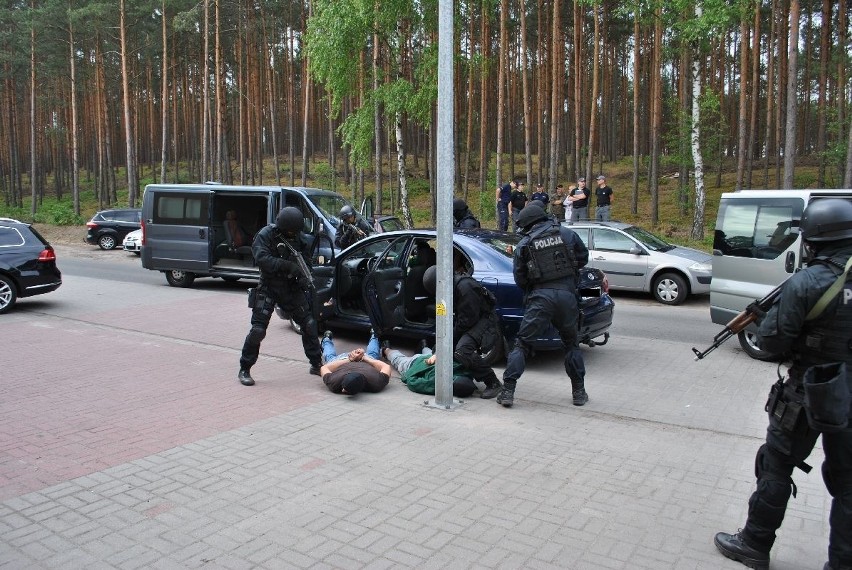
column 99, row 99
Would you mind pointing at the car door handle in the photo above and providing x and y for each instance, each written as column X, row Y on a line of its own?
column 201, row 234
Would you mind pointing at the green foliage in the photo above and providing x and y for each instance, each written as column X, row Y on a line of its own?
column 54, row 212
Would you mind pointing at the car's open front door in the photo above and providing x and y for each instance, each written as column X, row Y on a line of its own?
column 384, row 288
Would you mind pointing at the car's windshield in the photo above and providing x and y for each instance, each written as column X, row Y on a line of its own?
column 504, row 244
column 648, row 239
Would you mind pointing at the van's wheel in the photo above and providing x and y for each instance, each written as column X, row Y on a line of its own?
column 177, row 278
column 749, row 346
column 107, row 242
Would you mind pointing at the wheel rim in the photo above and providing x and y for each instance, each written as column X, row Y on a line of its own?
column 107, row 243
column 5, row 295
column 749, row 338
column 667, row 290
column 178, row 275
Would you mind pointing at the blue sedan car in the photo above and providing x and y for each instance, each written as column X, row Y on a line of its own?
column 378, row 282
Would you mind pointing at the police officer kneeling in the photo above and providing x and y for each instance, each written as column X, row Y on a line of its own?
column 280, row 282
column 812, row 324
column 546, row 264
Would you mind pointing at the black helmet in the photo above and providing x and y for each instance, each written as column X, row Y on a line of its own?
column 289, row 220
column 532, row 213
column 346, row 212
column 459, row 208
column 828, row 219
column 430, row 279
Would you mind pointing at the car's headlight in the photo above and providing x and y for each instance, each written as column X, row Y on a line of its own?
column 702, row 266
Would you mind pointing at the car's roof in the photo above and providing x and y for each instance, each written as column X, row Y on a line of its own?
column 13, row 221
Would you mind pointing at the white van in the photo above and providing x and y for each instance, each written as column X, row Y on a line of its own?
column 756, row 246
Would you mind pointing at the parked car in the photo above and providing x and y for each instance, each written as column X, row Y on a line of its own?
column 133, row 242
column 108, row 228
column 27, row 263
column 378, row 283
column 634, row 259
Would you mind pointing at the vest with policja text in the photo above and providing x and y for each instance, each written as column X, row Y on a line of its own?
column 549, row 257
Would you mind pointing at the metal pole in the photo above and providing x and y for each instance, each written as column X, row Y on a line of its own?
column 445, row 169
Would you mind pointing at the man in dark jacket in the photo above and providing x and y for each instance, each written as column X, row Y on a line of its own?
column 350, row 229
column 462, row 216
column 475, row 326
column 812, row 325
column 275, row 249
column 546, row 265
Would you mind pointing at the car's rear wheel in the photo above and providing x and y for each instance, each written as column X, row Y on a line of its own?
column 107, row 242
column 670, row 289
column 495, row 354
column 177, row 278
column 748, row 342
column 8, row 294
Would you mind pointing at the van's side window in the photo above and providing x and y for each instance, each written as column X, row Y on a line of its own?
column 762, row 229
column 180, row 209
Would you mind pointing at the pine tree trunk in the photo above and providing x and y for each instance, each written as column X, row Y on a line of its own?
column 75, row 152
column 634, row 201
column 33, row 193
column 593, row 111
column 790, row 143
column 824, row 57
column 555, row 81
column 130, row 143
column 501, row 87
column 743, row 116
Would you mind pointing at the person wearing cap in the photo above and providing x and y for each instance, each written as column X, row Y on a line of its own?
column 811, row 325
column 603, row 194
column 540, row 194
column 546, row 264
column 579, row 198
column 517, row 203
column 557, row 202
column 359, row 370
column 462, row 216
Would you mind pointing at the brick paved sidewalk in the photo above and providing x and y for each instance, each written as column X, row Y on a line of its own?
column 112, row 460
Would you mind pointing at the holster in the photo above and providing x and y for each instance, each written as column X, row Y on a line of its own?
column 785, row 407
column 828, row 397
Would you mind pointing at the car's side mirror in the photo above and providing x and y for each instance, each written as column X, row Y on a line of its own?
column 790, row 262
column 636, row 250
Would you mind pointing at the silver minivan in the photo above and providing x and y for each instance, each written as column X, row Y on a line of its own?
column 190, row 230
column 756, row 246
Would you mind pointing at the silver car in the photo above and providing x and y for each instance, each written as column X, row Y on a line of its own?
column 637, row 260
column 133, row 242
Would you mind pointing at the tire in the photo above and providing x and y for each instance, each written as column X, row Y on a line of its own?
column 177, row 278
column 8, row 294
column 107, row 242
column 747, row 342
column 670, row 289
column 497, row 353
column 296, row 328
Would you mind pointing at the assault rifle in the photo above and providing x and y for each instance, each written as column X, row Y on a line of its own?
column 747, row 316
column 305, row 272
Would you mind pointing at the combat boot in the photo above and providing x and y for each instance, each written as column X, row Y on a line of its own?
column 245, row 378
column 315, row 369
column 506, row 397
column 491, row 390
column 580, row 397
column 734, row 547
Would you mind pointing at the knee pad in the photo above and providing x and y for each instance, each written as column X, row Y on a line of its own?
column 256, row 334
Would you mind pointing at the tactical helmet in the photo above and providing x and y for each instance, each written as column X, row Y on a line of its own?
column 289, row 220
column 531, row 214
column 346, row 212
column 430, row 279
column 459, row 208
column 828, row 219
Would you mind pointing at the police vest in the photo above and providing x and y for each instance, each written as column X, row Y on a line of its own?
column 550, row 258
column 828, row 338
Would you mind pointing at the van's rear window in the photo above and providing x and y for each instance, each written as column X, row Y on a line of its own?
column 757, row 228
column 181, row 209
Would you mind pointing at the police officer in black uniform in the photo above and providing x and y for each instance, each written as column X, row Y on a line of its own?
column 280, row 282
column 350, row 229
column 814, row 330
column 546, row 265
column 475, row 326
column 462, row 216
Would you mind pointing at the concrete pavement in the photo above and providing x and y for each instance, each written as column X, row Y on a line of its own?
column 126, row 442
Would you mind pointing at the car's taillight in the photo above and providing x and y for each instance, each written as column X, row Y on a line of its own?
column 47, row 254
column 142, row 226
column 91, row 225
column 605, row 284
